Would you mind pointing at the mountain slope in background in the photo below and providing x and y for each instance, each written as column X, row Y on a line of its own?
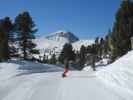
column 53, row 43
column 61, row 36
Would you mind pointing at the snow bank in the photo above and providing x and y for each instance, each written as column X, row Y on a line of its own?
column 119, row 73
column 18, row 67
column 99, row 65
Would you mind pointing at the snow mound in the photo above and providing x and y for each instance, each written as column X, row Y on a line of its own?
column 119, row 73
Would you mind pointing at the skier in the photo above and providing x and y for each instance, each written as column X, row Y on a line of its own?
column 66, row 69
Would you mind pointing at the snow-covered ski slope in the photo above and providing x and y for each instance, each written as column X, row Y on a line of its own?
column 119, row 73
column 29, row 81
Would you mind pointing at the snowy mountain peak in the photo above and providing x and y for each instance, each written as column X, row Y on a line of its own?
column 54, row 42
column 63, row 36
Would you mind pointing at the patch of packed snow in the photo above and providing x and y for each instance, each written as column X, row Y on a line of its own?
column 87, row 68
column 102, row 62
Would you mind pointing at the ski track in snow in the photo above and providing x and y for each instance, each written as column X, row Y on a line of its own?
column 50, row 86
column 20, row 89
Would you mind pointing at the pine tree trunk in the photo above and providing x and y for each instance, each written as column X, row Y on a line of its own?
column 5, row 50
column 24, row 50
column 24, row 53
column 93, row 62
column 66, row 64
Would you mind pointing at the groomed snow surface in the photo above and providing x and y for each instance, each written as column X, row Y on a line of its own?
column 22, row 80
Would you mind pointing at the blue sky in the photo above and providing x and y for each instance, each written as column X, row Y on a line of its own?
column 85, row 18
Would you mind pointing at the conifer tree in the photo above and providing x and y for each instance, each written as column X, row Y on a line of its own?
column 122, row 30
column 6, row 28
column 9, row 28
column 25, row 28
column 97, row 46
column 2, row 42
column 67, row 53
column 107, row 45
column 53, row 59
column 101, row 47
column 82, row 56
